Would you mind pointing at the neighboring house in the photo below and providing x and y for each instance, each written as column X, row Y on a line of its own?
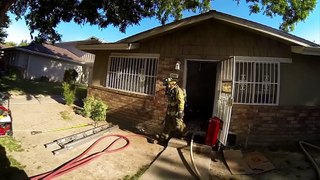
column 88, row 58
column 262, row 82
column 51, row 61
column 2, row 61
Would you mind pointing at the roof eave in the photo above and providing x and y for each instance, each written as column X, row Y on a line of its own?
column 222, row 17
column 314, row 51
column 109, row 46
column 265, row 30
column 52, row 56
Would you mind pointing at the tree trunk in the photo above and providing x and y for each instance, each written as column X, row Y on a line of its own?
column 4, row 7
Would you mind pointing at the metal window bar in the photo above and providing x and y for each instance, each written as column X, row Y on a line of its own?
column 132, row 74
column 237, row 88
column 260, row 85
column 148, row 79
column 241, row 98
column 139, row 73
column 278, row 82
column 271, row 83
column 247, row 96
column 108, row 73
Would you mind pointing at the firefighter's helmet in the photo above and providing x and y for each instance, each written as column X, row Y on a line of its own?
column 168, row 81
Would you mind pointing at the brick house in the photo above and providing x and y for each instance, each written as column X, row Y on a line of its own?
column 263, row 83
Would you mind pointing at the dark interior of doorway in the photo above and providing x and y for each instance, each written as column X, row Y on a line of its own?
column 200, row 88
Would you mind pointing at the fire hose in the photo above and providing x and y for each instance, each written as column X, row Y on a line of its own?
column 80, row 161
column 302, row 143
column 192, row 158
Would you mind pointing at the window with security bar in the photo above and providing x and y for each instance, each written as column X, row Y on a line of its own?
column 133, row 73
column 257, row 83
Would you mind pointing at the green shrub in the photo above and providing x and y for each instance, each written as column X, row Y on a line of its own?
column 69, row 93
column 70, row 76
column 95, row 109
column 87, row 106
column 99, row 111
column 44, row 79
column 15, row 73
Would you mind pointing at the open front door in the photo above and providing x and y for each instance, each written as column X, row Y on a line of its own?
column 225, row 100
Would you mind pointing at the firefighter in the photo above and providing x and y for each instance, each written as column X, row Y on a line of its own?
column 173, row 123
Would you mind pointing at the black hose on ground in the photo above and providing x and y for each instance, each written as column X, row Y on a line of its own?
column 302, row 143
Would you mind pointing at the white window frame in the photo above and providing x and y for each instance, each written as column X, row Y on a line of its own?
column 251, row 85
column 133, row 73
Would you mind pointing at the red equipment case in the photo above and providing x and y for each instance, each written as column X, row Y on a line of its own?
column 213, row 131
column 5, row 115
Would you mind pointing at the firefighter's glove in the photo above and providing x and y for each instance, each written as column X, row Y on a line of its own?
column 180, row 114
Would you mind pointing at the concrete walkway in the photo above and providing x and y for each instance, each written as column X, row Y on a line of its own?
column 175, row 162
column 39, row 99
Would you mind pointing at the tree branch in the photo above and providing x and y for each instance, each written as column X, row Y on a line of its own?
column 4, row 7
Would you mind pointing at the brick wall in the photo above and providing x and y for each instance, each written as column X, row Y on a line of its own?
column 275, row 125
column 133, row 110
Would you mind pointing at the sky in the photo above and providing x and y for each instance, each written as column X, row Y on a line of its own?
column 309, row 29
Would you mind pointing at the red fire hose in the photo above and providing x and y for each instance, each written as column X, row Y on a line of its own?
column 79, row 161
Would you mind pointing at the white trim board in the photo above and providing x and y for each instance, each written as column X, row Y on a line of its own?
column 263, row 59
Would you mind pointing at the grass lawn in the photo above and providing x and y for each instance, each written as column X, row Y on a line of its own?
column 21, row 86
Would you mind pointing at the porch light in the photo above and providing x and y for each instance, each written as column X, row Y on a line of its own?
column 177, row 67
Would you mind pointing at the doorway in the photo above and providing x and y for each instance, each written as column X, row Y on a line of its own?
column 200, row 88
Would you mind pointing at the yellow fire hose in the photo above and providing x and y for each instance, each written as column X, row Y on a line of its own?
column 62, row 129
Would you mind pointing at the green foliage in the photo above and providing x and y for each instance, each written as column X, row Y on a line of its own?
column 44, row 79
column 15, row 73
column 95, row 109
column 24, row 43
column 291, row 11
column 65, row 115
column 87, row 106
column 11, row 145
column 70, row 76
column 99, row 111
column 3, row 25
column 69, row 93
column 10, row 44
